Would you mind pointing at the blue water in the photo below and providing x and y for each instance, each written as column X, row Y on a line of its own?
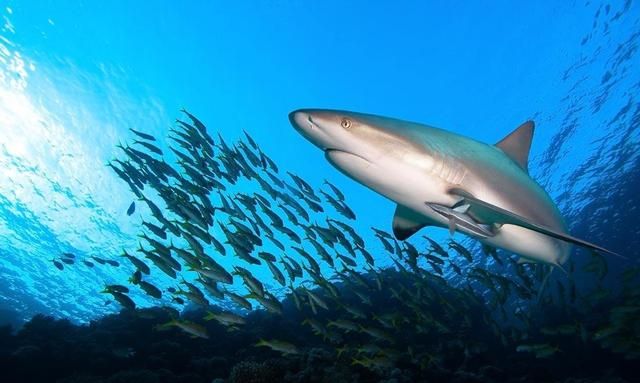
column 75, row 76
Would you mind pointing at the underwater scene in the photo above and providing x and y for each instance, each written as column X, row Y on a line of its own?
column 319, row 191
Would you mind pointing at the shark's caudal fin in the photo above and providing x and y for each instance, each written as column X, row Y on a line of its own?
column 502, row 216
column 517, row 144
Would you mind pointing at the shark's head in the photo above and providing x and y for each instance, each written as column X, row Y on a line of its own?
column 373, row 150
column 350, row 140
column 335, row 132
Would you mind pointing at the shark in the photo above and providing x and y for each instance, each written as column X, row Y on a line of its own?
column 443, row 179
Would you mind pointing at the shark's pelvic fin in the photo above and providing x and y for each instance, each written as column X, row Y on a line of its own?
column 497, row 214
column 406, row 222
column 517, row 144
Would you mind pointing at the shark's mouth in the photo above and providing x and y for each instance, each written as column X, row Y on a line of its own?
column 331, row 153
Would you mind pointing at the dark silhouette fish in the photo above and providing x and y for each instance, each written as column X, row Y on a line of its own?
column 131, row 209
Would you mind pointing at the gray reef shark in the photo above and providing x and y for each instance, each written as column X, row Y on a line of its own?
column 439, row 178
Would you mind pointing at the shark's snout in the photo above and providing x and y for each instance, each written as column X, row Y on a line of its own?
column 301, row 120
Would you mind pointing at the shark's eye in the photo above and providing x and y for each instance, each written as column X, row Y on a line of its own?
column 346, row 123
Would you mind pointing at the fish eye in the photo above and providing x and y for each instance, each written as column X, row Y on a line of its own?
column 346, row 123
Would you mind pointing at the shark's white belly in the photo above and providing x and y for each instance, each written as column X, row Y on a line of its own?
column 530, row 244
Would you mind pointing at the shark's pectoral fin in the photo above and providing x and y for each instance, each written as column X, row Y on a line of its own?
column 498, row 215
column 406, row 222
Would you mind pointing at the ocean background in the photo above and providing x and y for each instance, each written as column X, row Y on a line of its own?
column 75, row 76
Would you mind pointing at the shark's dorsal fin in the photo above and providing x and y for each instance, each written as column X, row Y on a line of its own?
column 406, row 222
column 517, row 144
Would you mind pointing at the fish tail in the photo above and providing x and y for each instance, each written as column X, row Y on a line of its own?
column 355, row 362
column 165, row 326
